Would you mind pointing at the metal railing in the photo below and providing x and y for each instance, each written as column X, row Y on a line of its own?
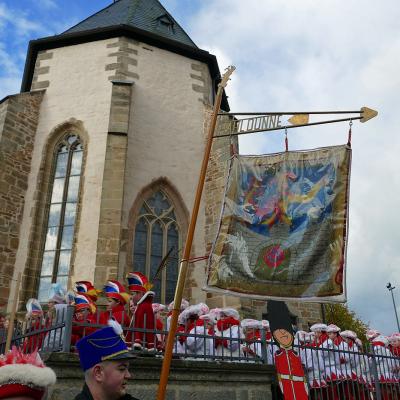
column 330, row 372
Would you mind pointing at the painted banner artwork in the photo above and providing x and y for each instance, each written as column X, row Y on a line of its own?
column 283, row 227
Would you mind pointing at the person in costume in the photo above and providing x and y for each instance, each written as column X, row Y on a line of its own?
column 87, row 288
column 85, row 312
column 354, row 369
column 320, row 335
column 158, row 310
column 184, row 305
column 193, row 326
column 35, row 322
column 24, row 376
column 252, row 338
column 228, row 333
column 117, row 300
column 380, row 347
column 291, row 376
column 56, row 315
column 104, row 357
column 143, row 314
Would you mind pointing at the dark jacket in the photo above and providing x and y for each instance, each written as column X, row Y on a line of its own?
column 86, row 395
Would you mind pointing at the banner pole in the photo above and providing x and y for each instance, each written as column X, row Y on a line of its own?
column 12, row 316
column 189, row 240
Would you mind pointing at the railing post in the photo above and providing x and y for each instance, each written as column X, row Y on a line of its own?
column 68, row 329
column 374, row 369
column 264, row 351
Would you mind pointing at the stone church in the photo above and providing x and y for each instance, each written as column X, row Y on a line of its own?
column 100, row 155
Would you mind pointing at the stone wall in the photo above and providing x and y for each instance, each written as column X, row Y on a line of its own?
column 18, row 122
column 196, row 380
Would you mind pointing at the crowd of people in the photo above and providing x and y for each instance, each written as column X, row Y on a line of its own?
column 333, row 359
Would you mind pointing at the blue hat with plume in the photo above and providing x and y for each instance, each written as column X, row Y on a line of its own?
column 106, row 344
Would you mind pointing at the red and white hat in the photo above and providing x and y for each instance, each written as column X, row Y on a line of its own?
column 184, row 305
column 84, row 302
column 265, row 324
column 33, row 307
column 194, row 310
column 381, row 340
column 115, row 290
column 349, row 335
column 24, row 375
column 209, row 317
column 157, row 307
column 249, row 323
column 229, row 312
column 372, row 334
column 332, row 328
column 86, row 287
column 319, row 327
column 138, row 282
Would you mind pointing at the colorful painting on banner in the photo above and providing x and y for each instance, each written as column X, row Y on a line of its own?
column 283, row 228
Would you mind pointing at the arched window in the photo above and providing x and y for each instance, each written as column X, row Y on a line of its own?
column 62, row 208
column 156, row 232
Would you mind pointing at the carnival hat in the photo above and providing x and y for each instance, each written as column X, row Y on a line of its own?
column 372, row 333
column 332, row 328
column 228, row 312
column 115, row 290
column 84, row 302
column 157, row 307
column 349, row 335
column 33, row 307
column 138, row 282
column 57, row 293
column 24, row 375
column 106, row 344
column 184, row 305
column 86, row 287
column 319, row 327
column 194, row 310
column 249, row 323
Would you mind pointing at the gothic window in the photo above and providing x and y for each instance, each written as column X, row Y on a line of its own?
column 156, row 232
column 62, row 207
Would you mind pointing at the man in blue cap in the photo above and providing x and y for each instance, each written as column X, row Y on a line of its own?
column 105, row 357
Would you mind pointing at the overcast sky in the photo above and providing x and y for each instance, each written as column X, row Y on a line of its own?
column 290, row 56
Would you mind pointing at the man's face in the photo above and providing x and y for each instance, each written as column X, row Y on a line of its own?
column 2, row 321
column 283, row 337
column 51, row 305
column 111, row 304
column 318, row 334
column 115, row 378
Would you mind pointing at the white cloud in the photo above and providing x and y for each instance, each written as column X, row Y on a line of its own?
column 329, row 55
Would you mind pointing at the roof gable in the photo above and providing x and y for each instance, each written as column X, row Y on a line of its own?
column 148, row 15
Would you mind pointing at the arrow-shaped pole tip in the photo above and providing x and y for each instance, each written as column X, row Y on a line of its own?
column 367, row 114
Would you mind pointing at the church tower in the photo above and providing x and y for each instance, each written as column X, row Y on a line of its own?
column 103, row 148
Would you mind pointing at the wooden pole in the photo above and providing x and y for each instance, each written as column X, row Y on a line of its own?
column 189, row 240
column 13, row 312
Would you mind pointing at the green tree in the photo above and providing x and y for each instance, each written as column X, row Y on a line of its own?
column 346, row 319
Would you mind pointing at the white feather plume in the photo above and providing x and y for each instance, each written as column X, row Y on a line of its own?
column 116, row 326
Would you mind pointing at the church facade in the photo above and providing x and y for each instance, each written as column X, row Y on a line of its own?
column 100, row 154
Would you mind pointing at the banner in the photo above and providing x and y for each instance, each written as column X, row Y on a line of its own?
column 283, row 227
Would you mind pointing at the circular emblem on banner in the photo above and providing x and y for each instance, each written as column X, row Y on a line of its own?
column 273, row 262
column 274, row 256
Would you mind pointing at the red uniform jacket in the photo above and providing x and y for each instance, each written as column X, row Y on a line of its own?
column 79, row 331
column 291, row 376
column 118, row 313
column 144, row 319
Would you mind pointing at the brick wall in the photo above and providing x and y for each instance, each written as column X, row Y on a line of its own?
column 18, row 122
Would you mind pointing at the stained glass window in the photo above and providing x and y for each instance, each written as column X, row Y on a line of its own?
column 156, row 232
column 62, row 206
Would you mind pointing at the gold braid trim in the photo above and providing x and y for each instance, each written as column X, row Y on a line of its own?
column 105, row 358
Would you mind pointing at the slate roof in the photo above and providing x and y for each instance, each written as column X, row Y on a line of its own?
column 148, row 15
